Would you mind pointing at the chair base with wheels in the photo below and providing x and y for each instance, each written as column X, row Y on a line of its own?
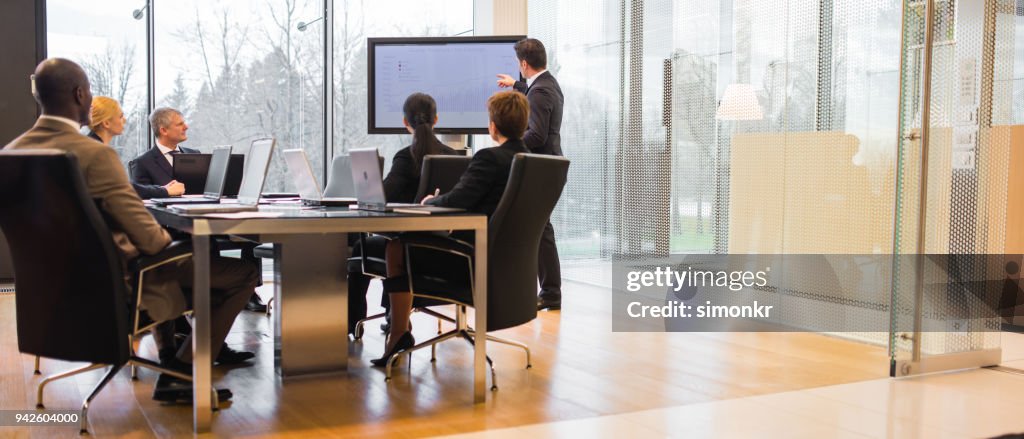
column 463, row 331
column 175, row 252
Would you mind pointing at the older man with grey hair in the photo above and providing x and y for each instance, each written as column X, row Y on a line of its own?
column 156, row 166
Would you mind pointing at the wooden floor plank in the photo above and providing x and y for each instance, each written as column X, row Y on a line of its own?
column 581, row 370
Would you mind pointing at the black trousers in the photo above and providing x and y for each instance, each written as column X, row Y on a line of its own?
column 549, row 270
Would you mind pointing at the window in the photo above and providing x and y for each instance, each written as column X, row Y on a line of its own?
column 110, row 45
column 241, row 70
column 354, row 22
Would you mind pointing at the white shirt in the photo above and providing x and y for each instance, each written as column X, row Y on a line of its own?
column 529, row 81
column 77, row 126
column 167, row 153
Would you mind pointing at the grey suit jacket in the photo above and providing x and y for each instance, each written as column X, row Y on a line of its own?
column 134, row 228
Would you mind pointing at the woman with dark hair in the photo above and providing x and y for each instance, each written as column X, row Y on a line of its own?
column 400, row 186
column 403, row 180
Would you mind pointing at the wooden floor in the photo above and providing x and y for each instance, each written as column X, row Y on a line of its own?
column 581, row 370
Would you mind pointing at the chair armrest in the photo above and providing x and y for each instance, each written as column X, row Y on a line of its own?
column 265, row 251
column 438, row 242
column 174, row 251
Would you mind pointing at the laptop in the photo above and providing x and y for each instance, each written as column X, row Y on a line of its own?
column 252, row 183
column 191, row 170
column 301, row 173
column 215, row 180
column 369, row 184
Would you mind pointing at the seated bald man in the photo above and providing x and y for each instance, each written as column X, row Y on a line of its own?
column 62, row 91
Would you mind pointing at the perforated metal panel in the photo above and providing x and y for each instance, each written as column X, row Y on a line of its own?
column 583, row 40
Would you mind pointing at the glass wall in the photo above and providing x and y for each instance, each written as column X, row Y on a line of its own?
column 357, row 20
column 240, row 70
column 583, row 39
column 111, row 46
column 1018, row 64
column 665, row 173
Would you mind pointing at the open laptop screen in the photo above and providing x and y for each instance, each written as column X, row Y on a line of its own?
column 366, row 178
column 301, row 174
column 258, row 161
column 191, row 170
column 218, row 173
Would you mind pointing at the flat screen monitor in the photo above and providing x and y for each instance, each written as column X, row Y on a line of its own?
column 460, row 73
column 191, row 170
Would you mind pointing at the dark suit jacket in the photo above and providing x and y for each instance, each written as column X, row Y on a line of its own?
column 152, row 168
column 482, row 185
column 145, row 191
column 403, row 179
column 543, row 131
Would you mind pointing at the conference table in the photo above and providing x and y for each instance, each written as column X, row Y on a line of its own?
column 310, row 285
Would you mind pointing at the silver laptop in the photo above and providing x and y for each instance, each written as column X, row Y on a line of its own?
column 258, row 161
column 368, row 182
column 216, row 179
column 301, row 173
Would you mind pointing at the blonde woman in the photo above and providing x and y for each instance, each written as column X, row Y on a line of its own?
column 107, row 121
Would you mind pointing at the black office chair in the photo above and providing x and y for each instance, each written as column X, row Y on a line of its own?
column 442, row 267
column 72, row 304
column 438, row 172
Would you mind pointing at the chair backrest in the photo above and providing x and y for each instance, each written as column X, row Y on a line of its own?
column 70, row 289
column 440, row 172
column 339, row 183
column 514, row 231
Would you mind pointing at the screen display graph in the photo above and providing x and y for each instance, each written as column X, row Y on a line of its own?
column 459, row 73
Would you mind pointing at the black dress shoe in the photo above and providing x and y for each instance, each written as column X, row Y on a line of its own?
column 182, row 328
column 231, row 356
column 174, row 390
column 173, row 363
column 549, row 304
column 404, row 342
column 256, row 304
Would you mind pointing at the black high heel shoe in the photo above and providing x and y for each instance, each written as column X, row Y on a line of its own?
column 404, row 342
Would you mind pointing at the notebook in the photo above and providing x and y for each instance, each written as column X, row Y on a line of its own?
column 252, row 183
column 369, row 184
column 216, row 178
column 301, row 173
column 191, row 170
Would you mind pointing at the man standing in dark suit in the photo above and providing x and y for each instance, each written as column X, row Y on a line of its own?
column 156, row 167
column 542, row 137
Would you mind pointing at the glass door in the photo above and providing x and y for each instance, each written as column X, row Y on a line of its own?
column 950, row 183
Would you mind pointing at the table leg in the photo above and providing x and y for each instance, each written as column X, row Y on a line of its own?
column 311, row 297
column 480, row 318
column 202, row 404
